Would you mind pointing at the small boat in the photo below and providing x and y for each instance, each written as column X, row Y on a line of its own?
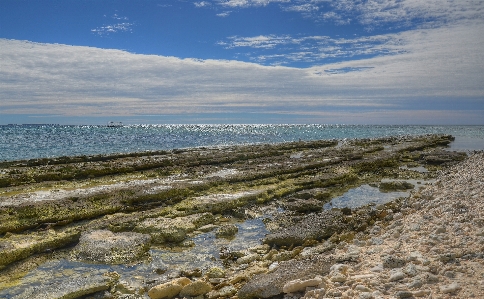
column 114, row 124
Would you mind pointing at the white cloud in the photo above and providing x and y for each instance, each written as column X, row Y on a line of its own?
column 303, row 8
column 261, row 41
column 315, row 48
column 437, row 62
column 249, row 3
column 378, row 13
column 224, row 14
column 117, row 17
column 114, row 28
column 375, row 13
column 399, row 15
column 439, row 65
column 430, row 12
column 202, row 4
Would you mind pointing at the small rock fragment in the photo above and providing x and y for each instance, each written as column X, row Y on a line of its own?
column 216, row 272
column 195, row 288
column 362, row 288
column 403, row 294
column 169, row 289
column 225, row 292
column 391, row 262
column 299, row 285
column 453, row 287
column 397, row 275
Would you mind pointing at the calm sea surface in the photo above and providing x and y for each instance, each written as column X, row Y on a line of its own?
column 18, row 142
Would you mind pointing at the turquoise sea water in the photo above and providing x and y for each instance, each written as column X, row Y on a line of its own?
column 18, row 142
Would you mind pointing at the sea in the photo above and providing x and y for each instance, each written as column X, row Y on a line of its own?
column 33, row 141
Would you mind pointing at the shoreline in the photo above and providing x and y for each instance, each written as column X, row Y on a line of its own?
column 170, row 198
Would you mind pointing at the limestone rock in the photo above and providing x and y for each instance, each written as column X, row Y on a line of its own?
column 301, row 285
column 395, row 186
column 226, row 231
column 196, row 288
column 225, row 292
column 391, row 262
column 304, row 206
column 61, row 281
column 271, row 284
column 173, row 230
column 169, row 289
column 216, row 272
column 248, row 258
column 104, row 246
column 312, row 227
column 397, row 275
column 451, row 288
column 403, row 294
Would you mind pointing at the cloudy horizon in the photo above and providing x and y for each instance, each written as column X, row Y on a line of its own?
column 314, row 61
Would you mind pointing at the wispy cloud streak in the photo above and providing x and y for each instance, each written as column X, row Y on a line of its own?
column 114, row 28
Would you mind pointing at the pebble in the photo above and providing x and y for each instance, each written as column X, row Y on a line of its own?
column 421, row 293
column 365, row 295
column 403, row 294
column 169, row 289
column 410, row 270
column 301, row 285
column 338, row 277
column 453, row 287
column 377, row 268
column 248, row 258
column 362, row 288
column 397, row 275
column 393, row 262
column 415, row 284
column 225, row 292
column 195, row 288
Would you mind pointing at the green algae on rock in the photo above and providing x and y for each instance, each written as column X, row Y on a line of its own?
column 104, row 246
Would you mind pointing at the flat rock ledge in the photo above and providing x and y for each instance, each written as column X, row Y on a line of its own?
column 104, row 246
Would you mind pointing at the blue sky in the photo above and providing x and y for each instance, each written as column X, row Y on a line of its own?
column 242, row 61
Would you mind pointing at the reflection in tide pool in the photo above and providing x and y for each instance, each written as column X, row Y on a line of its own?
column 363, row 195
column 206, row 252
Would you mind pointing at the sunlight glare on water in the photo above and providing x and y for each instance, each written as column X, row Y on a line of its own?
column 18, row 142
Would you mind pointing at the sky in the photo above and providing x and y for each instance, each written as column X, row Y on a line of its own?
column 242, row 61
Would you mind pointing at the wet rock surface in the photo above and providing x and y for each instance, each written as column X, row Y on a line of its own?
column 55, row 281
column 104, row 246
column 189, row 222
column 312, row 227
column 174, row 230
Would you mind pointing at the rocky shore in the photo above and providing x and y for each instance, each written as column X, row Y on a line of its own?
column 395, row 217
column 432, row 248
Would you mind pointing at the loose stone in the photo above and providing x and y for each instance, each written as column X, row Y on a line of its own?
column 403, row 294
column 169, row 289
column 453, row 287
column 398, row 275
column 301, row 285
column 195, row 288
column 362, row 288
column 393, row 262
